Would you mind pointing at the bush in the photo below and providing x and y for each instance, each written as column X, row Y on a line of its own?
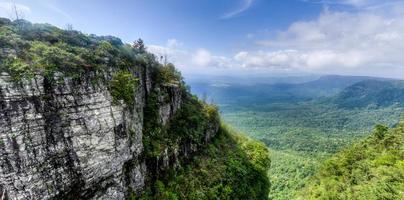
column 380, row 131
column 122, row 87
column 44, row 49
column 18, row 69
column 169, row 75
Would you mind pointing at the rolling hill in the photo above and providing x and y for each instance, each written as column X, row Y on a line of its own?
column 245, row 91
column 371, row 93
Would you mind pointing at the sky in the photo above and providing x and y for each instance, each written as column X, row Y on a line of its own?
column 347, row 37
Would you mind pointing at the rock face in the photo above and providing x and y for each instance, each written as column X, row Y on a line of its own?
column 70, row 141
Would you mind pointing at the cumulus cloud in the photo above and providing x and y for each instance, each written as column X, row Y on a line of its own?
column 202, row 57
column 190, row 59
column 174, row 43
column 365, row 42
column 172, row 49
column 343, row 41
column 294, row 59
column 171, row 52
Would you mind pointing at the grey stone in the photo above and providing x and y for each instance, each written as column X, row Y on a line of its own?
column 70, row 141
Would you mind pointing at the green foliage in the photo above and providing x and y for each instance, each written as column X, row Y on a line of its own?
column 302, row 134
column 231, row 167
column 380, row 131
column 371, row 169
column 47, row 59
column 257, row 152
column 169, row 75
column 18, row 68
column 138, row 45
column 193, row 119
column 188, row 124
column 123, row 86
column 153, row 130
column 42, row 49
column 290, row 171
column 307, row 127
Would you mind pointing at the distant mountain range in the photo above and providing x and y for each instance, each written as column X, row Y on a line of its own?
column 374, row 93
column 343, row 90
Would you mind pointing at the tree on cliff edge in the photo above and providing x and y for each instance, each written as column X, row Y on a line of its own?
column 139, row 45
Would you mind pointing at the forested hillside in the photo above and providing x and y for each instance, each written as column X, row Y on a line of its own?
column 303, row 131
column 232, row 167
column 371, row 93
column 371, row 169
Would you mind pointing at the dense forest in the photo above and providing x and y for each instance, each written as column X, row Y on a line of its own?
column 304, row 122
column 370, row 169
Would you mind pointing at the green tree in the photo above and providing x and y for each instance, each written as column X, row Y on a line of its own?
column 380, row 131
column 139, row 45
column 122, row 87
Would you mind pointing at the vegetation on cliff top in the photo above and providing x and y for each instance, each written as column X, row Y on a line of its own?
column 30, row 49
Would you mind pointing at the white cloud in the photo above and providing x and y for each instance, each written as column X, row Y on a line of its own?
column 174, row 43
column 246, row 4
column 202, row 57
column 336, row 42
column 314, row 60
column 7, row 9
column 170, row 52
column 190, row 60
column 364, row 42
column 355, row 3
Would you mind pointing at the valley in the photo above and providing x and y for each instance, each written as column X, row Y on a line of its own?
column 303, row 124
column 202, row 100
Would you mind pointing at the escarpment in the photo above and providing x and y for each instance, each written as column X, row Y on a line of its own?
column 87, row 117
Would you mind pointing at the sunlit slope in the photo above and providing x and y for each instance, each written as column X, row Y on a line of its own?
column 371, row 169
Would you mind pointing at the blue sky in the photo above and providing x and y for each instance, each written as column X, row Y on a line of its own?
column 211, row 24
column 238, row 36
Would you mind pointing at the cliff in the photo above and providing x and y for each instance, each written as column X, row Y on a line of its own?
column 88, row 117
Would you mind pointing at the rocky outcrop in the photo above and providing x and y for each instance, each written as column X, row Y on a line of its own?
column 75, row 113
column 68, row 140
